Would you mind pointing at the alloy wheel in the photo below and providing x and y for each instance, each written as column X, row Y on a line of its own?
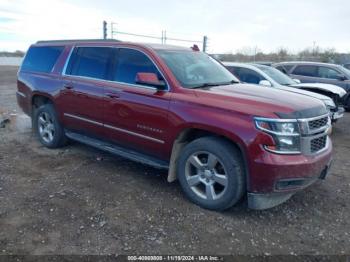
column 46, row 127
column 206, row 175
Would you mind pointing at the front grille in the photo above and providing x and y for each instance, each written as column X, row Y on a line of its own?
column 318, row 144
column 318, row 123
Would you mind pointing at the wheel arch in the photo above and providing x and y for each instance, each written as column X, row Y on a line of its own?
column 189, row 134
column 38, row 99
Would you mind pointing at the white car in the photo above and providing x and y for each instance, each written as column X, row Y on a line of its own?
column 271, row 77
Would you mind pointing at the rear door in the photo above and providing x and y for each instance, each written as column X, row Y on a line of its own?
column 136, row 115
column 82, row 95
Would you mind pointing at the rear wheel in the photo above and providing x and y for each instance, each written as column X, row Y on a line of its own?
column 211, row 174
column 46, row 125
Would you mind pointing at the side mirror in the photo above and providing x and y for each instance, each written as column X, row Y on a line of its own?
column 297, row 81
column 341, row 77
column 150, row 79
column 265, row 83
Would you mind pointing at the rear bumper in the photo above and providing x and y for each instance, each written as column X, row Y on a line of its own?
column 22, row 101
column 260, row 201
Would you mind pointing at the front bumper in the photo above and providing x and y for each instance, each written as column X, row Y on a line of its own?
column 260, row 201
column 273, row 178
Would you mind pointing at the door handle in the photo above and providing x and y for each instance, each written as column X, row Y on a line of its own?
column 68, row 86
column 113, row 95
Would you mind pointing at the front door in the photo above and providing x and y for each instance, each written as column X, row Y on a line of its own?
column 136, row 115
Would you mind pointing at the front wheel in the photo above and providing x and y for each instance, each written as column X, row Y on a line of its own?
column 210, row 171
column 347, row 105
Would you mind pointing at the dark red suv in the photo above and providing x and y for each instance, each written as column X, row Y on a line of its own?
column 179, row 109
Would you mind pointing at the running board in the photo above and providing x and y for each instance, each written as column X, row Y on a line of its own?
column 118, row 150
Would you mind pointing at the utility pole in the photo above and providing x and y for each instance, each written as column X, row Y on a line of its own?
column 111, row 30
column 255, row 49
column 104, row 30
column 164, row 37
column 205, row 42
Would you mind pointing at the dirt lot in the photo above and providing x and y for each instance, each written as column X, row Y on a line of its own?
column 78, row 200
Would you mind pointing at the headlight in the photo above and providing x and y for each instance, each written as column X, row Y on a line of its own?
column 285, row 133
column 329, row 103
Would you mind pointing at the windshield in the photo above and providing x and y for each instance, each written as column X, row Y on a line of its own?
column 345, row 71
column 277, row 75
column 196, row 69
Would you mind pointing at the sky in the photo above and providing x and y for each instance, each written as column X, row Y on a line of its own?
column 231, row 26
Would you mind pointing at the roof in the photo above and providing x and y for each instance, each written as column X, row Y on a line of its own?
column 73, row 41
column 112, row 41
column 165, row 47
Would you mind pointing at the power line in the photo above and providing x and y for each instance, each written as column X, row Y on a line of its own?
column 183, row 40
column 164, row 38
column 140, row 35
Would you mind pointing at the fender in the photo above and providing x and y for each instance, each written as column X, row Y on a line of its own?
column 182, row 140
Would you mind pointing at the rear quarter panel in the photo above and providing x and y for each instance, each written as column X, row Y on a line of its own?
column 31, row 84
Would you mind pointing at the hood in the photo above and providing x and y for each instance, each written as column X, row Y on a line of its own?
column 325, row 87
column 304, row 92
column 261, row 101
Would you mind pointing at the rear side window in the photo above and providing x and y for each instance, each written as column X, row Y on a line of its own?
column 305, row 70
column 93, row 62
column 129, row 63
column 41, row 58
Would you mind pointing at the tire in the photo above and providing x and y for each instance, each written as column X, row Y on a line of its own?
column 47, row 127
column 216, row 184
column 347, row 106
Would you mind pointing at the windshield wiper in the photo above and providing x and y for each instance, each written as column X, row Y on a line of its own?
column 215, row 84
column 231, row 82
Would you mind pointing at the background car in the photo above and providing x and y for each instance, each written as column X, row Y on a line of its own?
column 347, row 66
column 312, row 72
column 271, row 77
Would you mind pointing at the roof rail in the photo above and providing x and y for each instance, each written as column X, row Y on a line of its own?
column 76, row 40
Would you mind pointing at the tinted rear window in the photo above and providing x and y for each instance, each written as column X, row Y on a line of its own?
column 41, row 58
column 91, row 62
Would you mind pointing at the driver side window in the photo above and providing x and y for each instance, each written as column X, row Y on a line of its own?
column 325, row 72
column 129, row 63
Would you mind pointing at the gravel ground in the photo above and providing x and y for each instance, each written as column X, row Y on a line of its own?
column 78, row 200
